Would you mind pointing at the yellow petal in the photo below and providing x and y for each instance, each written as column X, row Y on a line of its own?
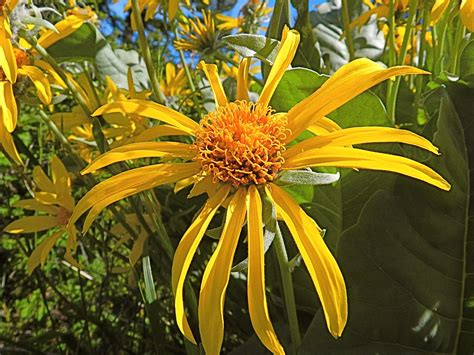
column 31, row 224
column 133, row 180
column 257, row 299
column 184, row 254
column 41, row 252
column 152, row 110
column 323, row 126
column 285, row 55
column 362, row 135
column 242, row 79
column 7, row 55
column 8, row 108
column 40, row 80
column 438, row 9
column 216, row 277
column 62, row 183
column 64, row 27
column 204, row 184
column 141, row 150
column 363, row 159
column 216, row 85
column 159, row 131
column 466, row 12
column 180, row 185
column 42, row 180
column 321, row 265
column 349, row 81
column 173, row 6
column 34, row 205
column 49, row 69
column 6, row 141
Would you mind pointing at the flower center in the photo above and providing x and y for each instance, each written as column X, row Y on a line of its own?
column 242, row 143
column 63, row 216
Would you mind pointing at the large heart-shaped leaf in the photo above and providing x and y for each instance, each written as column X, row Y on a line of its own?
column 404, row 260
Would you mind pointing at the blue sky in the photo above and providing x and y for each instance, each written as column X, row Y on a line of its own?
column 118, row 7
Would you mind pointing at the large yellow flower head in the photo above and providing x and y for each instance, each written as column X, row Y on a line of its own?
column 238, row 153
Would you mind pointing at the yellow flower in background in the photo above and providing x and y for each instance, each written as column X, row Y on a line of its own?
column 239, row 152
column 198, row 35
column 151, row 7
column 251, row 15
column 380, row 8
column 54, row 202
column 174, row 81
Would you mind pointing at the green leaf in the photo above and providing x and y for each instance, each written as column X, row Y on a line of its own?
column 467, row 64
column 307, row 177
column 258, row 46
column 80, row 45
column 150, row 293
column 403, row 260
column 364, row 110
column 88, row 44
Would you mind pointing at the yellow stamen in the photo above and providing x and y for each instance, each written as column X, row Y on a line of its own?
column 242, row 143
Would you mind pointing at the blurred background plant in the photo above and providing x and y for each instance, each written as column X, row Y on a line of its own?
column 403, row 248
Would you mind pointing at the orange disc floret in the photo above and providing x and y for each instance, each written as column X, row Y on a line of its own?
column 242, row 143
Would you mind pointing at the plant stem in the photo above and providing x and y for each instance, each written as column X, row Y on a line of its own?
column 392, row 54
column 287, row 285
column 347, row 29
column 145, row 49
column 184, row 64
column 456, row 49
column 421, row 55
column 392, row 98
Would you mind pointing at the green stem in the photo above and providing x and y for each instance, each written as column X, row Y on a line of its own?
column 145, row 49
column 421, row 56
column 287, row 284
column 184, row 64
column 392, row 55
column 456, row 49
column 392, row 98
column 347, row 29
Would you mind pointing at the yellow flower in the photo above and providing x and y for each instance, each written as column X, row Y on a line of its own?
column 53, row 198
column 200, row 36
column 8, row 106
column 151, row 7
column 174, row 82
column 239, row 152
column 252, row 14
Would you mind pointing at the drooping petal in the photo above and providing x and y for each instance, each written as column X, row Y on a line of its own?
column 362, row 159
column 466, row 12
column 141, row 150
column 204, row 184
column 31, row 224
column 41, row 252
column 7, row 55
column 257, row 299
column 49, row 69
column 349, row 81
column 6, row 141
column 242, row 79
column 40, row 81
column 184, row 254
column 212, row 76
column 62, row 183
column 152, row 110
column 139, row 179
column 286, row 53
column 8, row 107
column 216, row 277
column 362, row 135
column 321, row 265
